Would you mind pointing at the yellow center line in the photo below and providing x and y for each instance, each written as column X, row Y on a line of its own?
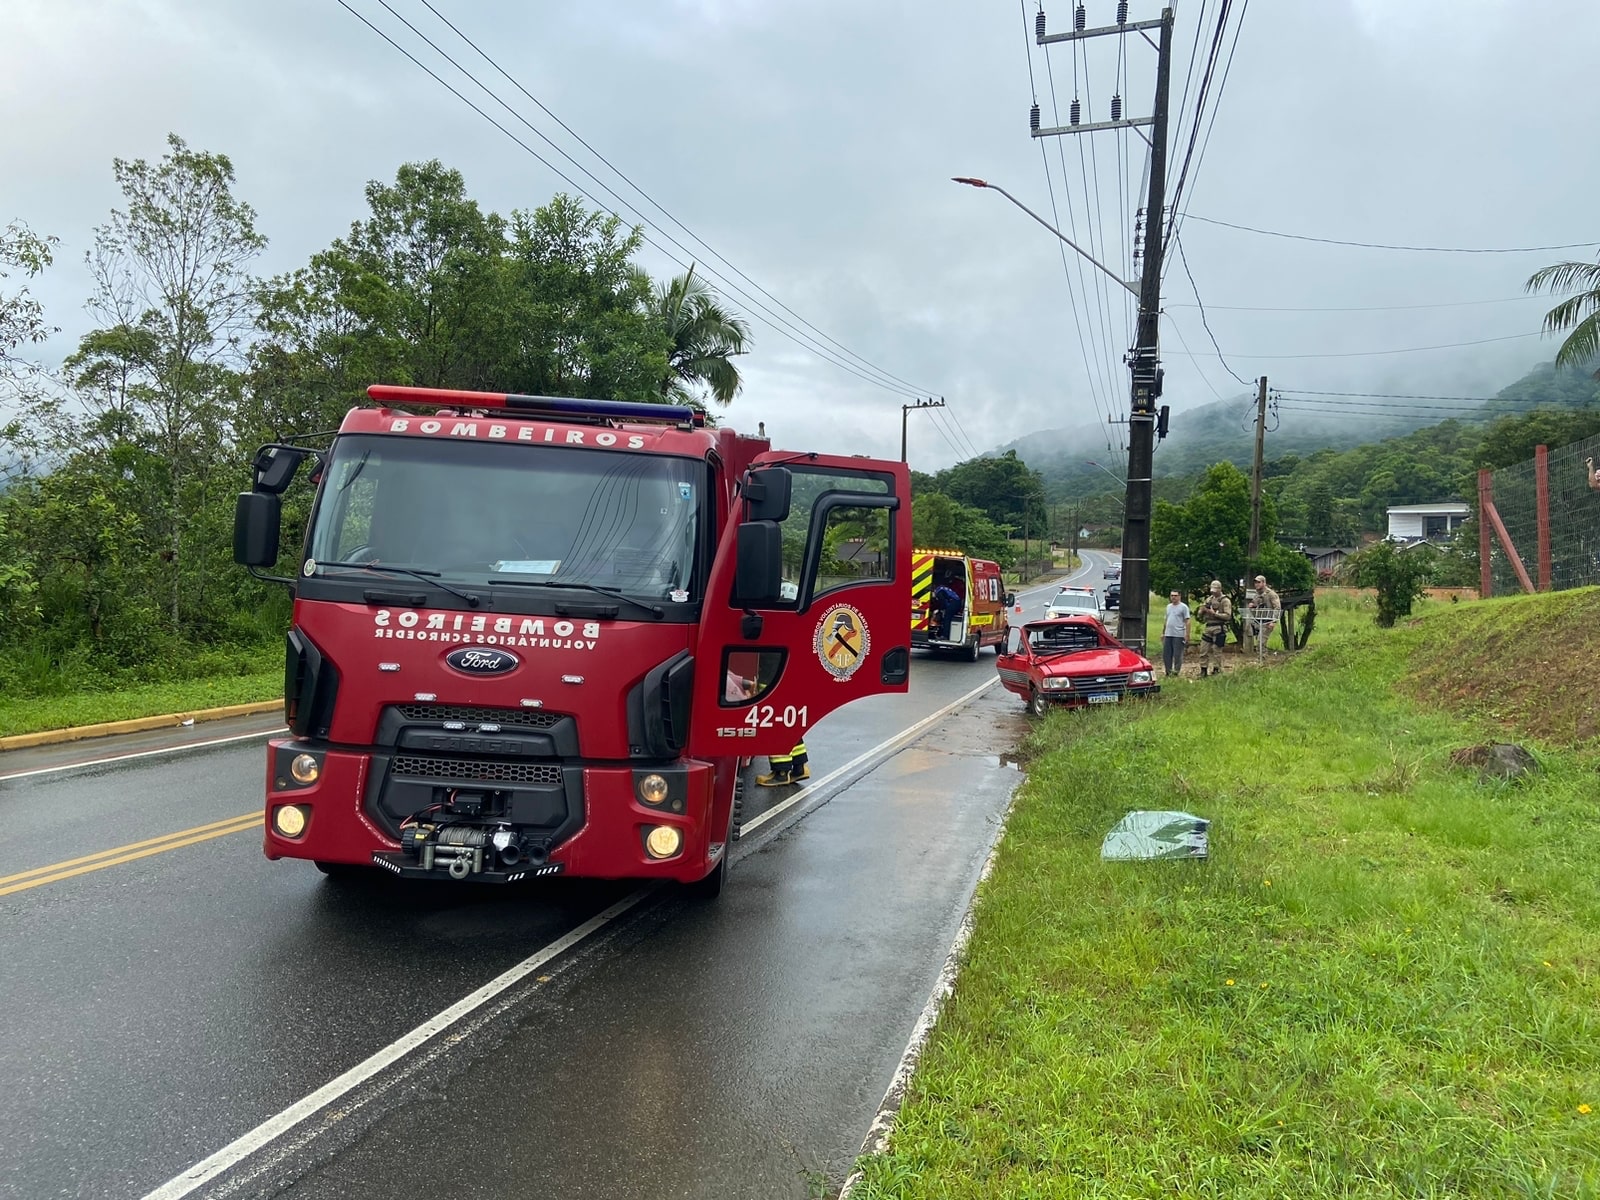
column 24, row 880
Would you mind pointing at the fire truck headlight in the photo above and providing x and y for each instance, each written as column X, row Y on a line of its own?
column 305, row 768
column 289, row 819
column 663, row 841
column 653, row 790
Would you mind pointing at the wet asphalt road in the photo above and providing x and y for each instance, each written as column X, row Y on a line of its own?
column 158, row 1009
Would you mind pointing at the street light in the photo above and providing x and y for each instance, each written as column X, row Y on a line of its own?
column 1091, row 462
column 995, row 187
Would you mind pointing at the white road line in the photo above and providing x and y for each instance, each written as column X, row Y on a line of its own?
column 116, row 758
column 275, row 1127
column 887, row 746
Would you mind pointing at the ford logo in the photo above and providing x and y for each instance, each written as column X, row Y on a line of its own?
column 480, row 661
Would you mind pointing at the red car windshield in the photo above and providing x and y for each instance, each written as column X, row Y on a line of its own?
column 1047, row 640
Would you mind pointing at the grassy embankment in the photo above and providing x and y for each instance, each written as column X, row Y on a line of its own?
column 1384, row 982
column 28, row 714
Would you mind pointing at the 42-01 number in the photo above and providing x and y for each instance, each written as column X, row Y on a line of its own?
column 764, row 716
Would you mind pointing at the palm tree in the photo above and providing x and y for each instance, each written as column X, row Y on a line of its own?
column 1579, row 312
column 705, row 337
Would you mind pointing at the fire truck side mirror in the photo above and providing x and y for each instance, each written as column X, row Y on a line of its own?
column 1009, row 599
column 275, row 467
column 767, row 493
column 256, row 519
column 758, row 564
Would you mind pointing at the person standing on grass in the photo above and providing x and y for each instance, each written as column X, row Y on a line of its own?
column 1175, row 634
column 1215, row 614
column 1262, row 608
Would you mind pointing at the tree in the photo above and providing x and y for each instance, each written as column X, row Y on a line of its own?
column 1206, row 538
column 703, row 338
column 580, row 307
column 1579, row 313
column 171, row 282
column 1003, row 488
column 1400, row 577
column 940, row 523
column 21, row 324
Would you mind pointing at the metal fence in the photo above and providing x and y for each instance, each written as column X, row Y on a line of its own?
column 1563, row 551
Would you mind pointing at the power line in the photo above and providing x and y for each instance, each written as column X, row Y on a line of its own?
column 777, row 323
column 1216, row 106
column 1173, row 325
column 1415, row 396
column 1097, row 394
column 1300, row 237
column 1199, row 111
column 652, row 200
column 1510, row 337
column 1360, row 308
column 1184, row 259
column 1101, row 340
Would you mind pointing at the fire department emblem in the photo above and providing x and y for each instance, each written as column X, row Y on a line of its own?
column 842, row 641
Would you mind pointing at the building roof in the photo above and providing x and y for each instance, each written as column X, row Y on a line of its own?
column 1439, row 508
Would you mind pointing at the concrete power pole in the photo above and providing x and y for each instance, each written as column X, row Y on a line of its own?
column 1144, row 358
column 905, row 410
column 1255, row 473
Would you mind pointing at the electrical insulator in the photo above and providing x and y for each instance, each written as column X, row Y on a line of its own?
column 1122, row 12
column 1116, row 108
column 1038, row 24
column 1033, row 118
column 1074, row 111
column 1080, row 18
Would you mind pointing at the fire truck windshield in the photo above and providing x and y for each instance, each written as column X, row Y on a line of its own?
column 477, row 513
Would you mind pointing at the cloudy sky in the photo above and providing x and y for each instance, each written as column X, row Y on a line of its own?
column 811, row 144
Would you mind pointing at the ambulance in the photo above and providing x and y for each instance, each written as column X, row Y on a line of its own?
column 981, row 620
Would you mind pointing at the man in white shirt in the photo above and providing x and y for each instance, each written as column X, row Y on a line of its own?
column 1175, row 634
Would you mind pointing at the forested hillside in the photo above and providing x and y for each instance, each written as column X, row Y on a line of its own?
column 1223, row 431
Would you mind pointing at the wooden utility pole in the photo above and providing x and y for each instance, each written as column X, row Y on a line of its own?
column 1255, row 473
column 1144, row 358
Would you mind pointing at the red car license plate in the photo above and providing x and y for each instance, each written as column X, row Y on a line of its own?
column 1104, row 698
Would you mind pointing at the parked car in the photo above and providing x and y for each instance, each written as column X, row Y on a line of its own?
column 1072, row 661
column 1113, row 598
column 1071, row 601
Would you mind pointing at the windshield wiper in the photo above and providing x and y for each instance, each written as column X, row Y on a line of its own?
column 1058, row 653
column 431, row 578
column 611, row 593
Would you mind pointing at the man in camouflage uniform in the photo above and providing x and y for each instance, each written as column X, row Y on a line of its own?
column 1262, row 608
column 1215, row 614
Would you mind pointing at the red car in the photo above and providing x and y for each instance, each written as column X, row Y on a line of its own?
column 1072, row 661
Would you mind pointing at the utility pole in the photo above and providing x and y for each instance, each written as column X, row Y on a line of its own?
column 1255, row 473
column 1144, row 358
column 905, row 410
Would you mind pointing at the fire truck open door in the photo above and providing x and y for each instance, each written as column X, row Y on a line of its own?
column 806, row 606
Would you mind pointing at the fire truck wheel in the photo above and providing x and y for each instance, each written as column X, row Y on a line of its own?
column 710, row 887
column 971, row 650
column 1037, row 705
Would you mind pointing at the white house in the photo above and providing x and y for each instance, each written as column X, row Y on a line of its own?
column 1433, row 522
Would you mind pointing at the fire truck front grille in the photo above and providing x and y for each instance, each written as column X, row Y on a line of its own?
column 477, row 769
column 522, row 718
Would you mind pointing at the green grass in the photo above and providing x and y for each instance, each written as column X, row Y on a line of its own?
column 145, row 700
column 1384, row 982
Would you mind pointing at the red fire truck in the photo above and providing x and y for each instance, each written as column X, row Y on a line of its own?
column 536, row 635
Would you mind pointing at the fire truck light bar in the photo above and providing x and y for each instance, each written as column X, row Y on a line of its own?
column 555, row 406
